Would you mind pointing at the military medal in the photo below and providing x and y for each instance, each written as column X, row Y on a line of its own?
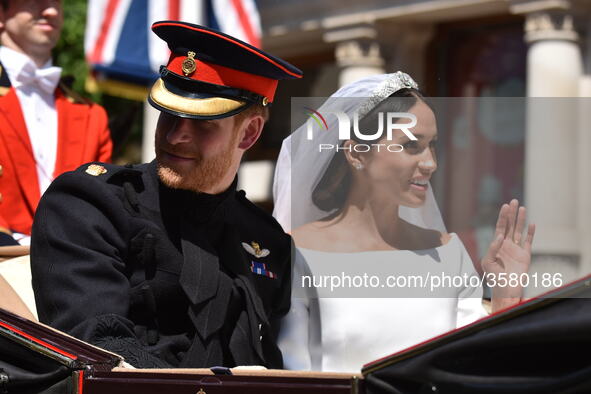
column 188, row 64
column 261, row 269
column 95, row 170
column 255, row 249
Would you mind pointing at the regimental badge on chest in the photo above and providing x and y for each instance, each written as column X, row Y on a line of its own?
column 255, row 249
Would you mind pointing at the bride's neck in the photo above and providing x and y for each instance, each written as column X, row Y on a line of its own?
column 373, row 216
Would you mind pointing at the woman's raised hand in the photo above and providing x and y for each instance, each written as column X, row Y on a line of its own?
column 508, row 256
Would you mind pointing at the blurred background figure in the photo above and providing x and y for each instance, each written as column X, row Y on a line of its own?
column 46, row 129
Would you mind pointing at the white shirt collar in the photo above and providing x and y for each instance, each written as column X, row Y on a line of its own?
column 14, row 62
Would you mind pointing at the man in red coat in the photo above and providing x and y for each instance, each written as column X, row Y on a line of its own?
column 44, row 129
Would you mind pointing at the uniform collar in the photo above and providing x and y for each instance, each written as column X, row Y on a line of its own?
column 206, row 205
column 201, row 206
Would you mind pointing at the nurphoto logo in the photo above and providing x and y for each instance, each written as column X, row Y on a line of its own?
column 387, row 123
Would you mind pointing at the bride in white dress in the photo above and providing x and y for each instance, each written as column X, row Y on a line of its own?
column 372, row 213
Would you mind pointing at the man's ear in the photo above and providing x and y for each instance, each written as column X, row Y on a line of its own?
column 252, row 128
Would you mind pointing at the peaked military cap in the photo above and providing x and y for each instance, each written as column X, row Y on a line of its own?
column 213, row 75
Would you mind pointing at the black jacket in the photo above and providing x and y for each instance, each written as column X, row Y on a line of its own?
column 163, row 277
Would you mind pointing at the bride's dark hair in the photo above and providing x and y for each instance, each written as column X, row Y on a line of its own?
column 332, row 190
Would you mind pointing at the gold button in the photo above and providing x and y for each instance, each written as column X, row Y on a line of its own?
column 0, row 197
column 1, row 170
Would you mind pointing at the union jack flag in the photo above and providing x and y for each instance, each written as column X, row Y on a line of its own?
column 120, row 47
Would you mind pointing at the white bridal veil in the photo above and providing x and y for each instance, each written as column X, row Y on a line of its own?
column 301, row 166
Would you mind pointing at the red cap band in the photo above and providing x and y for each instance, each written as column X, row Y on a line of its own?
column 226, row 76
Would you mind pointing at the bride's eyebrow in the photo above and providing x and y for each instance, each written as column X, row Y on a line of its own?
column 420, row 137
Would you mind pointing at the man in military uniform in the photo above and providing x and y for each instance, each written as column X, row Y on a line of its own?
column 166, row 263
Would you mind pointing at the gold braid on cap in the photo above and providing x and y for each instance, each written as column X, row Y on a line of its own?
column 197, row 106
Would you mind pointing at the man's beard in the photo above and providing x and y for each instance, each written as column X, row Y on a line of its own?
column 206, row 174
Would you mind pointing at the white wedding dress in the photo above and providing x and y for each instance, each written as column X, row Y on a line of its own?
column 326, row 333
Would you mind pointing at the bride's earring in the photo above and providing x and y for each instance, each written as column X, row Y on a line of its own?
column 358, row 166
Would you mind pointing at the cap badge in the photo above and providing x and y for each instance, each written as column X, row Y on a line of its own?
column 188, row 64
column 255, row 249
column 95, row 170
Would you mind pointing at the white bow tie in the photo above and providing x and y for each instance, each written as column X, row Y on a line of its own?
column 45, row 78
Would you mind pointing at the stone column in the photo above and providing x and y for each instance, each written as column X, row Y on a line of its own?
column 554, row 70
column 554, row 60
column 584, row 175
column 151, row 115
column 406, row 47
column 357, row 52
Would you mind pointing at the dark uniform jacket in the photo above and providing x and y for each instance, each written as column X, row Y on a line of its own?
column 163, row 277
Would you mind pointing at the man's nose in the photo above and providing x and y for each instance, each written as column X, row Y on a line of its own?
column 180, row 132
column 50, row 9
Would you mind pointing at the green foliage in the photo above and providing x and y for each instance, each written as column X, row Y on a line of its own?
column 69, row 52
